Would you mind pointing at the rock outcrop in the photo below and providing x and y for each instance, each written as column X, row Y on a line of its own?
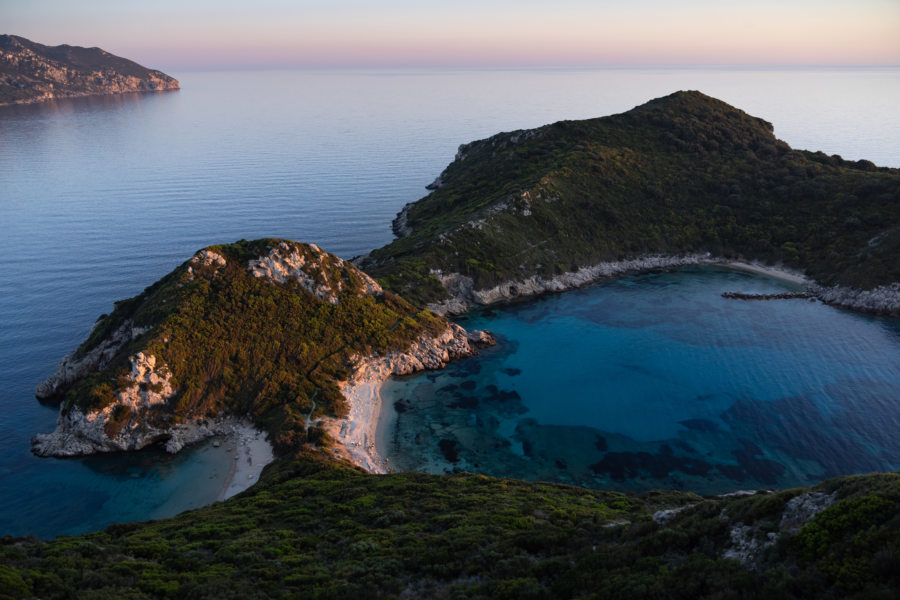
column 322, row 274
column 75, row 366
column 427, row 353
column 32, row 72
column 126, row 423
column 748, row 542
column 883, row 300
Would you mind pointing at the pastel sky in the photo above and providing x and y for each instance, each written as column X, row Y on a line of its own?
column 218, row 34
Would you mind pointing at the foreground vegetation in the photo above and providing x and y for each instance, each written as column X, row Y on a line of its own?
column 681, row 174
column 315, row 529
column 243, row 345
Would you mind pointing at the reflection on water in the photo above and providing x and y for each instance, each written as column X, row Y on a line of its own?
column 655, row 381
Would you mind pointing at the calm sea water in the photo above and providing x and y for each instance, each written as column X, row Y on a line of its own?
column 656, row 381
column 100, row 197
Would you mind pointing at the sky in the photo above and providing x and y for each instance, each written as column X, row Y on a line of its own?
column 221, row 34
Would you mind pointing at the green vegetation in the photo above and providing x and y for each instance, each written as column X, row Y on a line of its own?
column 244, row 345
column 681, row 174
column 315, row 529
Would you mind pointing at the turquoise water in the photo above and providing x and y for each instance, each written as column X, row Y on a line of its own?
column 655, row 380
column 100, row 197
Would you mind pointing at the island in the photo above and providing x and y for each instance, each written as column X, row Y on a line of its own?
column 32, row 72
column 296, row 340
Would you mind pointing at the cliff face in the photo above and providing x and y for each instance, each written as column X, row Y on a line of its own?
column 32, row 72
column 269, row 330
column 678, row 177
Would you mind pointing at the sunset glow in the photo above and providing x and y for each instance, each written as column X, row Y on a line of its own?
column 279, row 33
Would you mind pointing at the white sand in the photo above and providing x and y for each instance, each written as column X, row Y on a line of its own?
column 776, row 273
column 250, row 452
column 356, row 433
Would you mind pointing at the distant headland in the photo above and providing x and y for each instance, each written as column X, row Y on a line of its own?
column 32, row 72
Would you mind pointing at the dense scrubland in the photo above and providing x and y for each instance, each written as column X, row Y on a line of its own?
column 679, row 175
column 315, row 529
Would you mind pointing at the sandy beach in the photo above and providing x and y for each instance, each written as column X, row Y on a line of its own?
column 250, row 453
column 357, row 433
column 776, row 273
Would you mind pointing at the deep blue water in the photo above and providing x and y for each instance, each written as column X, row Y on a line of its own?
column 100, row 197
column 656, row 381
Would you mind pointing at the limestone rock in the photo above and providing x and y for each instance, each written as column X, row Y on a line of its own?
column 428, row 352
column 884, row 300
column 463, row 295
column 73, row 367
column 322, row 274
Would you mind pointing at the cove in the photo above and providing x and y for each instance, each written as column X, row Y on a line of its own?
column 657, row 381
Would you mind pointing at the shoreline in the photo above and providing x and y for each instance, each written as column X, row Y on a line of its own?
column 882, row 300
column 250, row 452
column 774, row 272
column 357, row 437
column 69, row 96
column 357, row 433
column 464, row 296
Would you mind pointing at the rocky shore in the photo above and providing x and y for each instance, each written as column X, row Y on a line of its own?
column 463, row 295
column 355, row 433
column 884, row 300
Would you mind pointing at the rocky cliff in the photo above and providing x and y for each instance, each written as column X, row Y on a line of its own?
column 267, row 330
column 32, row 72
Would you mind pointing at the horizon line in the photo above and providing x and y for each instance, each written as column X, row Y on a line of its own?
column 502, row 67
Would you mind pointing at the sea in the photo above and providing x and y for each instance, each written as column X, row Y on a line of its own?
column 647, row 380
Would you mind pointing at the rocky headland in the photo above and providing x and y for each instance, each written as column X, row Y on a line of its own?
column 32, row 72
column 684, row 179
column 176, row 364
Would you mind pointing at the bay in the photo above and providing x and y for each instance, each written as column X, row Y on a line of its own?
column 99, row 197
column 655, row 381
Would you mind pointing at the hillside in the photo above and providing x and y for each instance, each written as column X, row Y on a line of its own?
column 266, row 330
column 31, row 72
column 316, row 530
column 679, row 177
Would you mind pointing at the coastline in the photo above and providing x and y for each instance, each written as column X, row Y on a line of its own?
column 883, row 300
column 360, row 436
column 43, row 99
column 251, row 452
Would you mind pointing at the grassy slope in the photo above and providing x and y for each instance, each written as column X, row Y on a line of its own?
column 318, row 530
column 245, row 345
column 683, row 173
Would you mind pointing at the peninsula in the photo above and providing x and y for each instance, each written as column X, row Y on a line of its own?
column 32, row 72
column 680, row 180
column 271, row 330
